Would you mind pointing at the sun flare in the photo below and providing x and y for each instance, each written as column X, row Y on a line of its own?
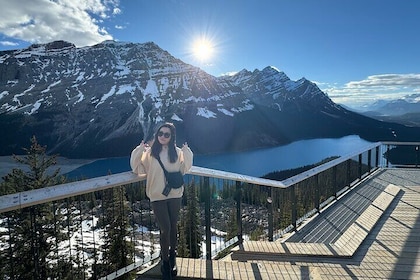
column 203, row 49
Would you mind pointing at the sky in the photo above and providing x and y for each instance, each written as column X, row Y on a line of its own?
column 356, row 51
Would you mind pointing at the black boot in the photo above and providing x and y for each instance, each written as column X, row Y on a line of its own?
column 165, row 268
column 172, row 263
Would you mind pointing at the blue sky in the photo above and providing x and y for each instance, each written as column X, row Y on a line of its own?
column 357, row 51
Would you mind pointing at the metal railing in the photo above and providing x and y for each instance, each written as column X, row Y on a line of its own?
column 233, row 207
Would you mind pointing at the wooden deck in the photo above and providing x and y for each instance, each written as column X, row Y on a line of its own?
column 383, row 242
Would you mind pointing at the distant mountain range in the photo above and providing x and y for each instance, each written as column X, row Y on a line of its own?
column 101, row 101
column 404, row 111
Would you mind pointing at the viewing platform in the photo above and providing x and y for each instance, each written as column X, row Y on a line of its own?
column 364, row 235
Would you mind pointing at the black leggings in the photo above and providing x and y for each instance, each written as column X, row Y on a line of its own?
column 167, row 214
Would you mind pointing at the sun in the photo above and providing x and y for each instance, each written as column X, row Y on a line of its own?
column 203, row 49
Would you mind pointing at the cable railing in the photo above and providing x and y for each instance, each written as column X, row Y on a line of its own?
column 74, row 228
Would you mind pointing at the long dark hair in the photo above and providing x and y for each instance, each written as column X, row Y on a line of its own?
column 157, row 147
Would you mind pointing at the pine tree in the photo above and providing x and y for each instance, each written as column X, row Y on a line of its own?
column 257, row 233
column 118, row 249
column 34, row 231
column 182, row 249
column 192, row 227
column 232, row 226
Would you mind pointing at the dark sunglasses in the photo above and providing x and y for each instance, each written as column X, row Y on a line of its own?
column 166, row 134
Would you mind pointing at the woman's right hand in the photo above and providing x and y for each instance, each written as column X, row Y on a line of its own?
column 144, row 145
column 135, row 158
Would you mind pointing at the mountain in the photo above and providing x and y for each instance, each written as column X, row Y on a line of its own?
column 101, row 101
column 405, row 110
column 397, row 107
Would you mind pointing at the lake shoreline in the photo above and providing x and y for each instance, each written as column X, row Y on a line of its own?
column 8, row 163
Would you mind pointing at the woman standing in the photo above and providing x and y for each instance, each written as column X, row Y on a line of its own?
column 144, row 160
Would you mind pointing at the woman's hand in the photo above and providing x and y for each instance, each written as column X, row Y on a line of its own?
column 187, row 158
column 144, row 145
column 147, row 144
column 135, row 158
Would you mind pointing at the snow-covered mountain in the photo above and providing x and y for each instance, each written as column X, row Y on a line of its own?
column 100, row 101
column 405, row 110
column 408, row 104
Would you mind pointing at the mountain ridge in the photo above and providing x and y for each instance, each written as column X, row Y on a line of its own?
column 101, row 101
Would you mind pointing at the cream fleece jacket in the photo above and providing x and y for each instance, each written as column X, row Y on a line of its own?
column 142, row 162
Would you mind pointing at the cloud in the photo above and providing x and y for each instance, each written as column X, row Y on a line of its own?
column 8, row 43
column 116, row 11
column 40, row 21
column 387, row 80
column 373, row 88
column 229, row 73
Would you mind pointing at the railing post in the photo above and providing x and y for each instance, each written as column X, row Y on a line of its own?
column 317, row 193
column 348, row 172
column 207, row 217
column 369, row 160
column 10, row 265
column 335, row 181
column 238, row 198
column 377, row 157
column 35, row 240
column 387, row 155
column 270, row 216
column 360, row 167
column 294, row 207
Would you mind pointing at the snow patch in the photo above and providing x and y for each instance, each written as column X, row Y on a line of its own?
column 275, row 68
column 35, row 107
column 122, row 70
column 3, row 94
column 80, row 96
column 151, row 89
column 204, row 112
column 80, row 77
column 16, row 98
column 125, row 88
column 175, row 117
column 226, row 112
column 111, row 92
column 29, row 88
column 247, row 106
column 50, row 86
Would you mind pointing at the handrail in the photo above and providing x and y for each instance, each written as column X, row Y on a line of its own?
column 28, row 198
column 316, row 170
column 400, row 143
column 24, row 199
column 207, row 172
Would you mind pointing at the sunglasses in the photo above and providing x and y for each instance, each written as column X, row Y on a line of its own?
column 165, row 134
